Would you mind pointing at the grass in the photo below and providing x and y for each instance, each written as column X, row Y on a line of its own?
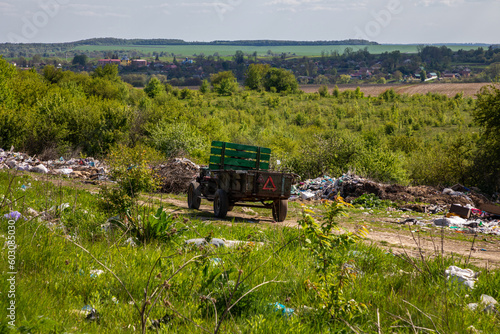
column 54, row 278
column 224, row 50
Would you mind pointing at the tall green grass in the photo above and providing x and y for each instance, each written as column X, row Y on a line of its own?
column 55, row 280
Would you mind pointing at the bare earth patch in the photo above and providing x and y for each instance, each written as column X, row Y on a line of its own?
column 486, row 251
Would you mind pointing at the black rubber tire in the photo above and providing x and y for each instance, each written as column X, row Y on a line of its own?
column 194, row 195
column 221, row 204
column 280, row 209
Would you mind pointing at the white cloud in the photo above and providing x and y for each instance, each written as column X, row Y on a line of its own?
column 316, row 5
column 90, row 13
column 7, row 9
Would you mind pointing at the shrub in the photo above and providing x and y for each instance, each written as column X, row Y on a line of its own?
column 178, row 138
column 129, row 167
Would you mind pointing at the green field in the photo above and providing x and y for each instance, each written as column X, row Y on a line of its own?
column 300, row 50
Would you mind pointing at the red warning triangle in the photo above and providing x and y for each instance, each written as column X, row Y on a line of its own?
column 267, row 185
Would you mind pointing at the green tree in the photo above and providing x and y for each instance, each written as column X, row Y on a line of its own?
column 255, row 76
column 323, row 91
column 7, row 72
column 224, row 83
column 108, row 72
column 281, row 80
column 80, row 60
column 423, row 75
column 344, row 79
column 204, row 87
column 51, row 74
column 154, row 87
column 239, row 57
column 493, row 72
column 397, row 75
column 487, row 115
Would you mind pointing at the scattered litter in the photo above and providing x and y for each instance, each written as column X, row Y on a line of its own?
column 451, row 221
column 202, row 241
column 248, row 211
column 489, row 303
column 472, row 306
column 88, row 168
column 130, row 242
column 93, row 315
column 215, row 261
column 96, row 273
column 307, row 195
column 221, row 242
column 467, row 276
column 285, row 311
column 472, row 330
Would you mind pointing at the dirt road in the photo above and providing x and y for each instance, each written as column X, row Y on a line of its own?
column 400, row 239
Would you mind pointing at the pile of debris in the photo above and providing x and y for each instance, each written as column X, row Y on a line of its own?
column 351, row 186
column 485, row 219
column 176, row 175
column 88, row 168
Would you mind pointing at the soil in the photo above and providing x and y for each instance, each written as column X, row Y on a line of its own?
column 485, row 251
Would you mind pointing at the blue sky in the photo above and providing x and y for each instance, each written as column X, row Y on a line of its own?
column 383, row 21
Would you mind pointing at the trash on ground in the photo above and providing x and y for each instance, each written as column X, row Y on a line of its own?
column 466, row 276
column 96, row 273
column 285, row 311
column 88, row 168
column 221, row 242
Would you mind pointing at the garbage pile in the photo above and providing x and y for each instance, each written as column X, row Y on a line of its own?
column 176, row 175
column 469, row 219
column 88, row 168
column 351, row 186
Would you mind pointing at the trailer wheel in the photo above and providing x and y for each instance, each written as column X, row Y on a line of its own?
column 194, row 195
column 280, row 209
column 221, row 204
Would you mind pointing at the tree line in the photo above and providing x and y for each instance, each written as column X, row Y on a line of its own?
column 421, row 139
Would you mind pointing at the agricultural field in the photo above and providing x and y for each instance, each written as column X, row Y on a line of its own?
column 447, row 89
column 225, row 50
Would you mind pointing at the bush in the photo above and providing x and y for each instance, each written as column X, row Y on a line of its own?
column 129, row 167
column 178, row 138
column 224, row 83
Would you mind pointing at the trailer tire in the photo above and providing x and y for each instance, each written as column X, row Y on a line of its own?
column 194, row 195
column 280, row 209
column 221, row 204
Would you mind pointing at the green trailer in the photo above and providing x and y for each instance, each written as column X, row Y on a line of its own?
column 238, row 174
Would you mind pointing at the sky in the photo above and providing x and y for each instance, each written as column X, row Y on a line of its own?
column 382, row 21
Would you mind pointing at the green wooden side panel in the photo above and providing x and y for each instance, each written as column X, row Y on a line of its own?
column 238, row 162
column 239, row 154
column 238, row 157
column 242, row 147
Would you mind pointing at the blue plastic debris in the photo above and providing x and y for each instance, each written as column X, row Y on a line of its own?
column 87, row 308
column 285, row 311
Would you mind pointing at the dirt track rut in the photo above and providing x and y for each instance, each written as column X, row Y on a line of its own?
column 485, row 253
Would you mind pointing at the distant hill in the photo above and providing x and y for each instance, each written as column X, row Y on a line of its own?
column 120, row 41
